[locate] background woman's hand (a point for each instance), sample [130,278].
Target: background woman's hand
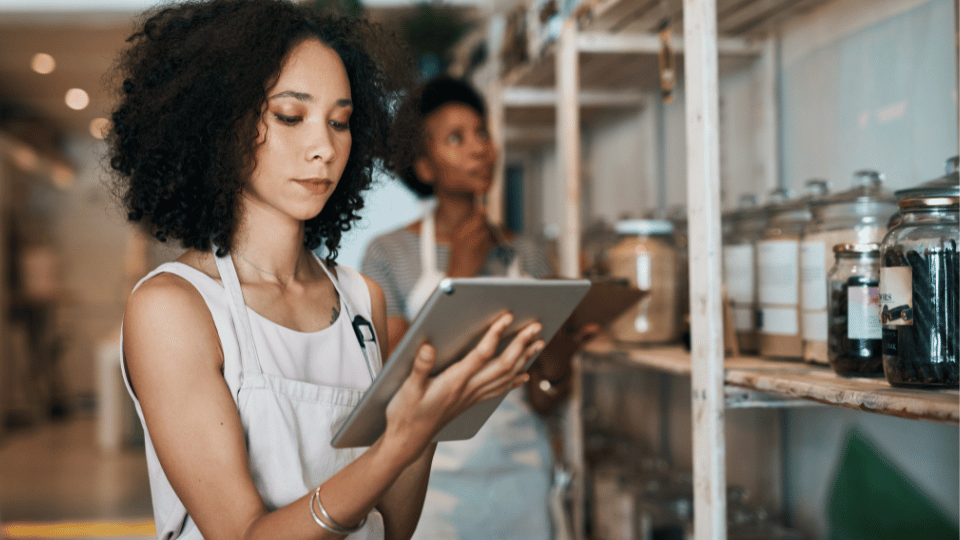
[425,403]
[469,245]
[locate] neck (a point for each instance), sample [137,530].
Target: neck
[269,247]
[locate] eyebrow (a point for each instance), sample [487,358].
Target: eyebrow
[302,96]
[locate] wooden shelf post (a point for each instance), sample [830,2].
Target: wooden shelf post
[703,217]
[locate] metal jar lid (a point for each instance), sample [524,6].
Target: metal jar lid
[867,199]
[929,202]
[947,185]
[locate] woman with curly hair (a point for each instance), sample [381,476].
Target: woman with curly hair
[248,130]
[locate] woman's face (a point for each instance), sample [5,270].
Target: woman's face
[459,156]
[304,134]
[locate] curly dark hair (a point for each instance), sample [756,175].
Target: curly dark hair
[192,88]
[412,115]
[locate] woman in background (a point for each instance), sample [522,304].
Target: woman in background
[497,484]
[247,130]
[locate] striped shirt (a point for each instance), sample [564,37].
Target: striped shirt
[393,261]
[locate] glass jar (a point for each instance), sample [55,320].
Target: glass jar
[856,216]
[919,309]
[646,256]
[743,228]
[778,274]
[854,336]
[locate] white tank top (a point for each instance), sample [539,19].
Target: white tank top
[293,390]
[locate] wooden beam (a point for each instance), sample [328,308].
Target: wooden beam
[568,147]
[706,317]
[519,96]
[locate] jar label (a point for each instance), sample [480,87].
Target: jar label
[814,325]
[643,271]
[813,275]
[778,272]
[738,264]
[779,322]
[863,313]
[896,296]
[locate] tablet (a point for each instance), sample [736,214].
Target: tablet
[454,320]
[606,300]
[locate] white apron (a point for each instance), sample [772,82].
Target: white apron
[495,485]
[287,423]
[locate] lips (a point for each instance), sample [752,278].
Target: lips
[316,185]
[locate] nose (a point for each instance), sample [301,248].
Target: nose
[320,145]
[481,146]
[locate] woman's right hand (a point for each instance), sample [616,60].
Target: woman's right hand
[425,404]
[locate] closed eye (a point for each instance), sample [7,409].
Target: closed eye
[289,120]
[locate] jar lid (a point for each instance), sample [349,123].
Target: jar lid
[929,202]
[644,227]
[867,188]
[947,185]
[869,247]
[798,209]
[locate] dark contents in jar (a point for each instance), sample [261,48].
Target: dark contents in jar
[925,353]
[848,356]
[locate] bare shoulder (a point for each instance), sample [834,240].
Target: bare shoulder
[169,330]
[164,296]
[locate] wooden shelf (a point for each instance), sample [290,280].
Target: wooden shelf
[734,17]
[792,381]
[623,61]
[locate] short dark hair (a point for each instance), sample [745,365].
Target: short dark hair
[192,88]
[412,115]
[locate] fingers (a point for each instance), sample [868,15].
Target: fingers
[487,346]
[523,347]
[423,364]
[500,372]
[510,375]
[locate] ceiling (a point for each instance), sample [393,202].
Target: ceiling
[84,45]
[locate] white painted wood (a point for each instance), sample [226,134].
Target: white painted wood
[703,210]
[529,134]
[768,129]
[642,43]
[568,146]
[495,122]
[526,96]
[496,125]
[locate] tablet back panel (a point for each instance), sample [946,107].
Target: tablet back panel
[453,320]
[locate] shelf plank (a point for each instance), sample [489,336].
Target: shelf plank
[734,17]
[795,380]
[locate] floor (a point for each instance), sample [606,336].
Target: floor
[56,483]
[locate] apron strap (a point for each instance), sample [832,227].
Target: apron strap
[428,243]
[248,351]
[361,326]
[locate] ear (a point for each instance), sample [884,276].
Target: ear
[423,168]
